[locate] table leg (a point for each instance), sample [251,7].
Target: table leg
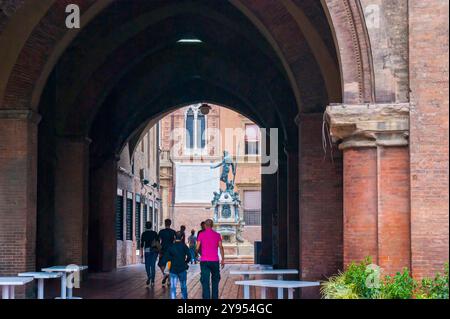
[280,293]
[41,288]
[263,292]
[246,292]
[64,286]
[11,292]
[5,292]
[69,292]
[246,277]
[291,293]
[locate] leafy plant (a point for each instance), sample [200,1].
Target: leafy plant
[363,281]
[400,286]
[337,288]
[435,288]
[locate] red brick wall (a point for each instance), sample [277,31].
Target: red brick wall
[18,152]
[320,204]
[394,244]
[360,204]
[429,129]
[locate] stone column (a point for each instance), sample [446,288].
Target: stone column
[282,198]
[374,140]
[293,210]
[71,200]
[268,206]
[102,232]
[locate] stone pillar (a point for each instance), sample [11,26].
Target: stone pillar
[293,218]
[374,140]
[102,232]
[71,200]
[282,199]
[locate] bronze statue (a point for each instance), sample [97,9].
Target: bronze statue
[227,161]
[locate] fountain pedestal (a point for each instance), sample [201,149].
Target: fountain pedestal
[229,224]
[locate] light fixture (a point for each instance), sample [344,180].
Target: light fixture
[190,40]
[204,109]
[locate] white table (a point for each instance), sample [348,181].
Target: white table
[279,284]
[279,272]
[40,276]
[9,283]
[66,291]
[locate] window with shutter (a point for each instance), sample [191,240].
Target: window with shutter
[251,139]
[252,208]
[119,218]
[138,221]
[129,219]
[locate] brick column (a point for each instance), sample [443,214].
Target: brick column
[102,233]
[374,140]
[18,180]
[71,200]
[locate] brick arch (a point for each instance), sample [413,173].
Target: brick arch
[346,18]
[45,38]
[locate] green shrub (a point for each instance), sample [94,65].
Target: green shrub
[435,288]
[361,281]
[400,286]
[337,288]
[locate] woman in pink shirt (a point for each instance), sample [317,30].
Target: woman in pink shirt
[208,242]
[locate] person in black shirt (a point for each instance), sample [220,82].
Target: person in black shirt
[179,256]
[167,237]
[150,251]
[183,232]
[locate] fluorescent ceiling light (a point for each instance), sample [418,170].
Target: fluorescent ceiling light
[189,41]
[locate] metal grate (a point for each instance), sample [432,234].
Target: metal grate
[119,218]
[252,217]
[129,219]
[138,224]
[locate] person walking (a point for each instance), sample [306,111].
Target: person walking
[209,242]
[167,237]
[183,232]
[179,256]
[202,228]
[149,249]
[192,241]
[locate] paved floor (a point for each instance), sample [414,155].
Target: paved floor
[129,283]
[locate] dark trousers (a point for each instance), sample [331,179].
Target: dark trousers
[210,274]
[150,262]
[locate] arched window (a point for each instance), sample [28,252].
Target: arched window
[190,121]
[195,129]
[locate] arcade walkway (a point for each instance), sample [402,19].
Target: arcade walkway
[129,283]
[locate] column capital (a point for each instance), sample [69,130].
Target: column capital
[20,114]
[369,125]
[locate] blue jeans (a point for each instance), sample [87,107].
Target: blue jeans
[193,257]
[174,278]
[150,262]
[210,272]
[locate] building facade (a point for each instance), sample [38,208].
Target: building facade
[138,195]
[190,143]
